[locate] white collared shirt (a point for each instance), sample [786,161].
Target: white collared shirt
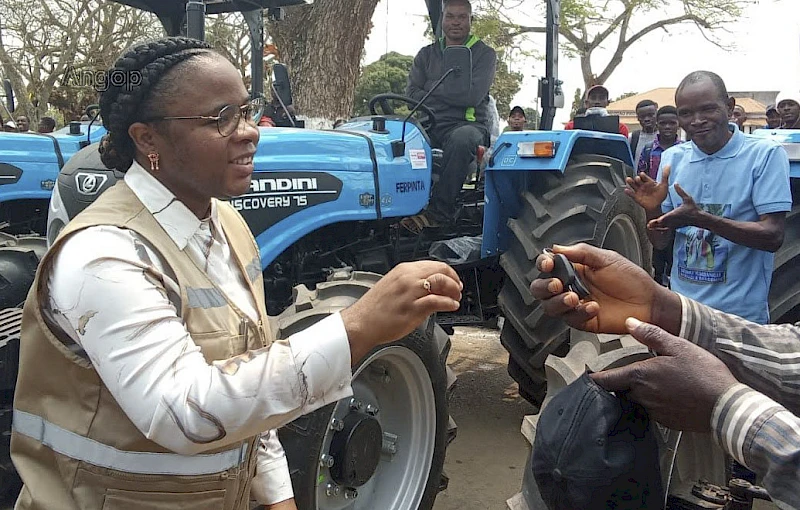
[122,320]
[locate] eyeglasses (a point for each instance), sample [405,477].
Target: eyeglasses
[229,116]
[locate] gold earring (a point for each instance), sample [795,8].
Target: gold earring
[153,157]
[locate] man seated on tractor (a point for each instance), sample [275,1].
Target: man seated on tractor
[461,121]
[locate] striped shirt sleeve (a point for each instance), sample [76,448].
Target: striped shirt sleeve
[762,435]
[747,421]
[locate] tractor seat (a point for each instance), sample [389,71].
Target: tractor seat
[472,176]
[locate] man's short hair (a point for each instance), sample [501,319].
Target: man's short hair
[517,109]
[667,110]
[699,76]
[457,2]
[49,122]
[645,103]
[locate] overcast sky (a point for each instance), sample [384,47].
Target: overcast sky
[763,50]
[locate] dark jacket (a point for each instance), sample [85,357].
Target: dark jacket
[452,111]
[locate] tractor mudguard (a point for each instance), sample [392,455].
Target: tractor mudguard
[790,139]
[307,179]
[30,163]
[29,166]
[512,165]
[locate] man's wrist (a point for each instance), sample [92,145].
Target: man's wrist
[667,311]
[653,213]
[702,219]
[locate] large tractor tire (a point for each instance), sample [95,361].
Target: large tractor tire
[10,321]
[19,258]
[586,203]
[385,447]
[784,293]
[684,458]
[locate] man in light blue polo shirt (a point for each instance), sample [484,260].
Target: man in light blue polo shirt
[723,197]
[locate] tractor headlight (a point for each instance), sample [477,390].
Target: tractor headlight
[545,149]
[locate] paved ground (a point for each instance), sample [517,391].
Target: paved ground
[486,461]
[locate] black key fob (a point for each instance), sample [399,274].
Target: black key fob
[565,271]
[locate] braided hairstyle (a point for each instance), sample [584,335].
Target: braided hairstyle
[135,86]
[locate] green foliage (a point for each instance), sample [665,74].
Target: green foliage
[387,74]
[532,118]
[506,85]
[577,102]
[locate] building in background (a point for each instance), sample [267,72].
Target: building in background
[753,102]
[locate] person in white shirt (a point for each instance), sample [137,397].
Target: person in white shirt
[112,299]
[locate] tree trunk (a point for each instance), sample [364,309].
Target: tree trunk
[322,45]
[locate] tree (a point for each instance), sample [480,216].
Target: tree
[322,46]
[229,35]
[387,74]
[577,102]
[54,51]
[588,25]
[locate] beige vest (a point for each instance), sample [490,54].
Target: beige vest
[73,445]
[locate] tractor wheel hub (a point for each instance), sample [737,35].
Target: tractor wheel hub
[356,449]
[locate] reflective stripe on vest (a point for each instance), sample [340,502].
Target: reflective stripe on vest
[78,447]
[254,270]
[205,298]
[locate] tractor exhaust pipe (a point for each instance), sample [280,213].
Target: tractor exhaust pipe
[196,20]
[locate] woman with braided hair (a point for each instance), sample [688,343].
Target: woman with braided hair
[163,386]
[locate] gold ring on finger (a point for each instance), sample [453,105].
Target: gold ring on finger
[426,284]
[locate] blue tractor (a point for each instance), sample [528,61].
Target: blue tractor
[324,207]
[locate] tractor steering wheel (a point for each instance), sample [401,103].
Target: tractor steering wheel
[428,123]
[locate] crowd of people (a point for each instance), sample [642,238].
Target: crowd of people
[716,205]
[21,124]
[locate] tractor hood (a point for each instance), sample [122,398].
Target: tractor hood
[305,179]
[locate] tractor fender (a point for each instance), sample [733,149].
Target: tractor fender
[509,156]
[510,169]
[30,162]
[790,140]
[29,166]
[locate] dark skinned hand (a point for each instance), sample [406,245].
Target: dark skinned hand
[684,215]
[679,387]
[647,192]
[619,289]
[398,303]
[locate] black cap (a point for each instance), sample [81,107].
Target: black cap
[595,450]
[517,109]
